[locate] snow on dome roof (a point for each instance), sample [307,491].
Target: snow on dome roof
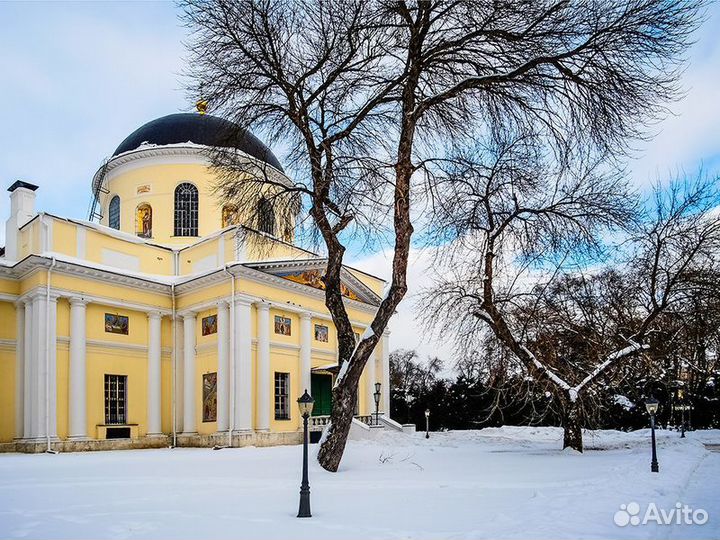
[199,129]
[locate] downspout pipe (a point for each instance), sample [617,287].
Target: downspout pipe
[49,449]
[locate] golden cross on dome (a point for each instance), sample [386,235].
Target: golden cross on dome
[201,106]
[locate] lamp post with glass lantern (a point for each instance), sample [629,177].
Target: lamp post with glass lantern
[305,403]
[427,423]
[376,397]
[652,407]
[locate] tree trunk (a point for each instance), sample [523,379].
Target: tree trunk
[331,451]
[572,428]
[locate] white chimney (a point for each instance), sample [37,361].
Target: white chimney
[22,210]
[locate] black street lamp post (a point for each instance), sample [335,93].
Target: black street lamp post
[305,402]
[652,406]
[427,423]
[376,396]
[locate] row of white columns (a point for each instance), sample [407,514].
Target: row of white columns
[238,398]
[36,368]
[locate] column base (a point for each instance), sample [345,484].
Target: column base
[155,435]
[78,438]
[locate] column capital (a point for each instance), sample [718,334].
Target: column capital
[154,315]
[305,315]
[262,306]
[78,300]
[20,303]
[223,303]
[240,301]
[187,314]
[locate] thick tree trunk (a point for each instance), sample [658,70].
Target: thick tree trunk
[331,451]
[572,427]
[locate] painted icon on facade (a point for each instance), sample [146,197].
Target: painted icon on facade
[229,215]
[116,324]
[209,325]
[143,221]
[209,397]
[321,333]
[282,325]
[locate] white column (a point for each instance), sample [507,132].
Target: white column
[27,368]
[154,366]
[385,403]
[223,336]
[263,358]
[370,380]
[179,373]
[19,368]
[305,351]
[52,368]
[77,395]
[189,421]
[37,382]
[243,367]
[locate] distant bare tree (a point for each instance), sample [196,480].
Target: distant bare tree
[568,329]
[367,94]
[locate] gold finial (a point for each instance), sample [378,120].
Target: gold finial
[201,106]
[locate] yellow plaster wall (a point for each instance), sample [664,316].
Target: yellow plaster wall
[162,180]
[64,237]
[7,394]
[285,361]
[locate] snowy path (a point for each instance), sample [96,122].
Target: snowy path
[706,475]
[494,483]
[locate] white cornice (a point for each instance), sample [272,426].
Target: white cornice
[165,153]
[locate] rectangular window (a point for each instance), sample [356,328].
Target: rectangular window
[321,333]
[116,399]
[282,325]
[282,396]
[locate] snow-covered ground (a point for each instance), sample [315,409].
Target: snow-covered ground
[494,483]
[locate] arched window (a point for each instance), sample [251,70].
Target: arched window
[186,210]
[266,217]
[229,215]
[114,213]
[143,221]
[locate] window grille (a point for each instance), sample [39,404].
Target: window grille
[186,210]
[115,399]
[114,213]
[282,396]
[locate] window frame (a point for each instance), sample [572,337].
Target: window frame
[118,396]
[114,213]
[186,210]
[281,382]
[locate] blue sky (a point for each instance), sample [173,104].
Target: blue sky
[77,77]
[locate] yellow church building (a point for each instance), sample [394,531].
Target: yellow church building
[167,318]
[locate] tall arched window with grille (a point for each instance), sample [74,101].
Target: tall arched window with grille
[186,210]
[114,213]
[266,217]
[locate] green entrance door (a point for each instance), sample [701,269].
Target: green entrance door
[321,390]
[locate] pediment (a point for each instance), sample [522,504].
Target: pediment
[310,273]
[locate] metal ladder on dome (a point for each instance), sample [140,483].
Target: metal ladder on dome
[95,212]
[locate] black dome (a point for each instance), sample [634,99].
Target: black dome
[199,129]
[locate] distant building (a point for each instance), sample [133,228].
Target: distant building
[173,314]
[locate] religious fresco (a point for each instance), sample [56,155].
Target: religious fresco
[283,325]
[143,221]
[229,215]
[209,325]
[321,333]
[116,324]
[209,397]
[314,279]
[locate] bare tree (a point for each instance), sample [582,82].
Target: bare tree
[570,330]
[366,94]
